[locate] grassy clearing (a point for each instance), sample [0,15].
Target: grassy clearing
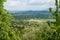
[41,20]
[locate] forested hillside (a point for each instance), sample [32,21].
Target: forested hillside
[31,14]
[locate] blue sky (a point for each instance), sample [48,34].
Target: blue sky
[29,4]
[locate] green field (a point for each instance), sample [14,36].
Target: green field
[33,29]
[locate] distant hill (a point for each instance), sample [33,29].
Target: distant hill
[31,14]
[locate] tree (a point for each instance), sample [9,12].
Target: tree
[6,32]
[55,25]
[55,14]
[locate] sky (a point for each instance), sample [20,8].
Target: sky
[29,4]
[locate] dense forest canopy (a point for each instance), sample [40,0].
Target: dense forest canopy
[6,32]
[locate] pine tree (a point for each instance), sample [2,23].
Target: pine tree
[6,32]
[56,25]
[55,14]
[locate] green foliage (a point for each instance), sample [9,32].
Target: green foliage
[55,25]
[10,30]
[55,14]
[6,32]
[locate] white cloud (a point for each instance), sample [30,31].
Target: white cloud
[25,5]
[14,3]
[41,1]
